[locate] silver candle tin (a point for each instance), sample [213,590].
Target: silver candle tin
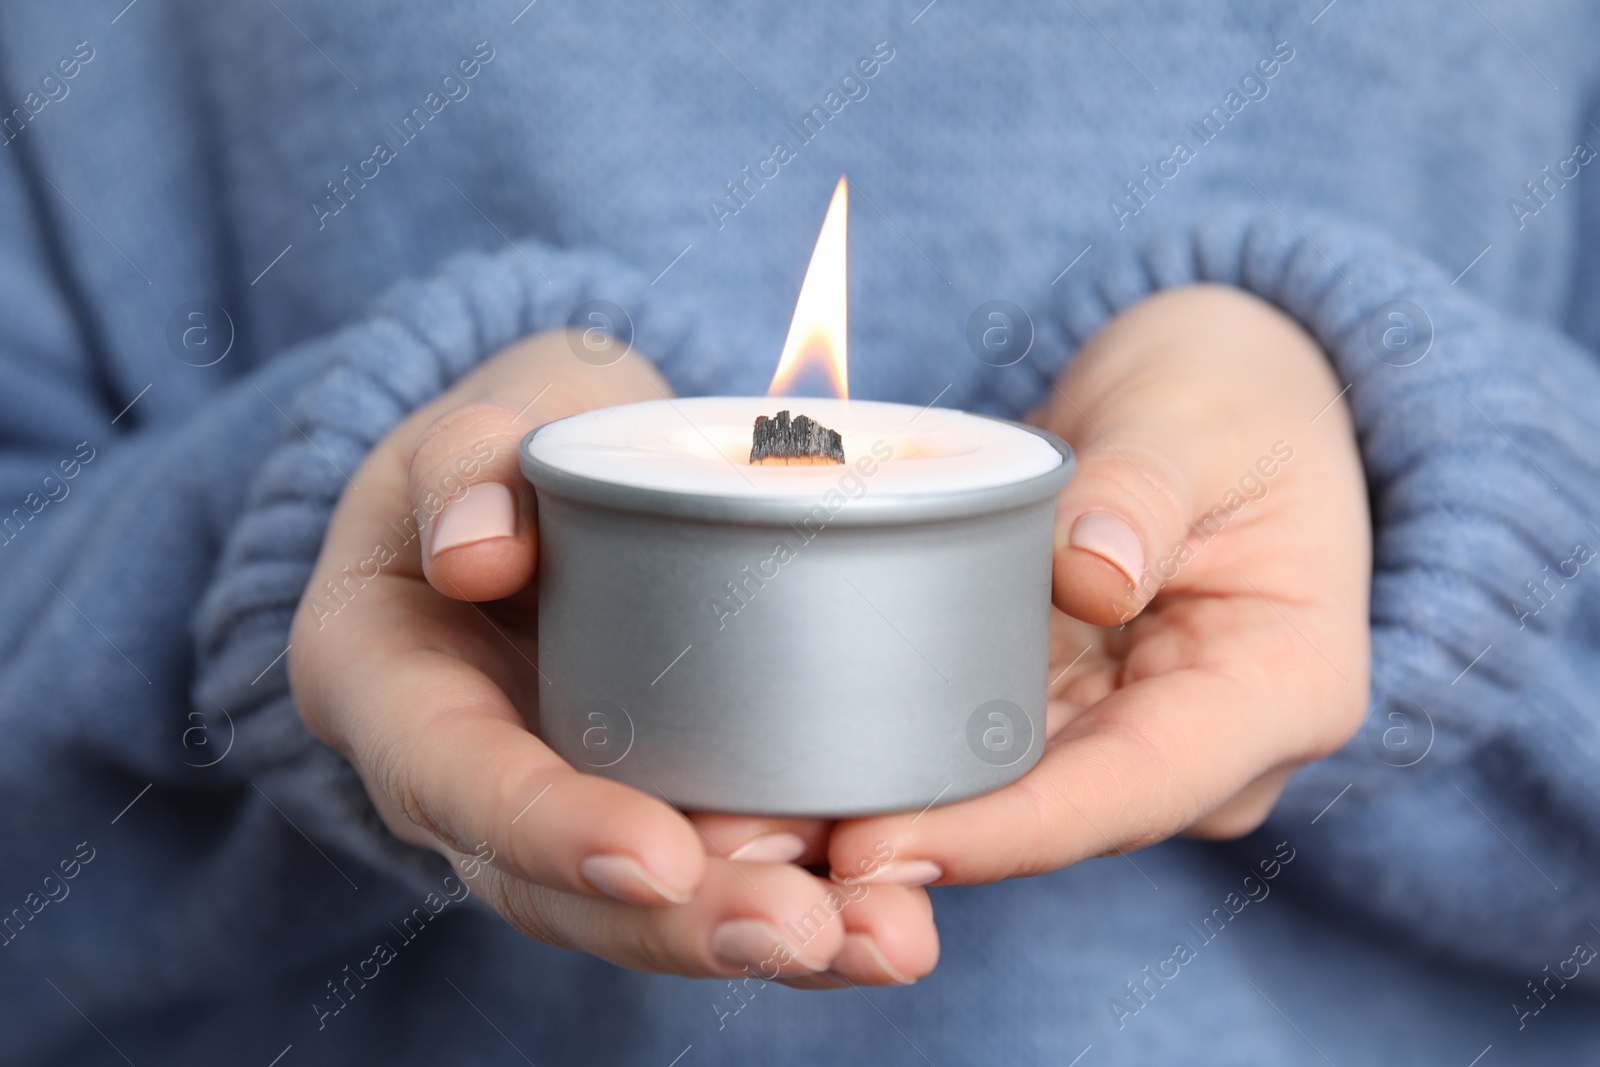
[744,655]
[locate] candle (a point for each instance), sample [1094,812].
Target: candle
[861,626]
[702,445]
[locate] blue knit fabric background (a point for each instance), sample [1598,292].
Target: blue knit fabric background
[357,221]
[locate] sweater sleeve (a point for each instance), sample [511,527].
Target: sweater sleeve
[1465,816]
[422,337]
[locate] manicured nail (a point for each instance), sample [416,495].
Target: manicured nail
[864,960]
[485,511]
[901,872]
[770,848]
[624,878]
[1112,540]
[751,943]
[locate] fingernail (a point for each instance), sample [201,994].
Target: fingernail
[1112,539]
[862,958]
[901,872]
[770,848]
[485,511]
[624,878]
[751,943]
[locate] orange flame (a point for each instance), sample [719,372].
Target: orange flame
[821,315]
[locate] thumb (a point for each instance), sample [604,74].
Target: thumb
[475,509]
[1165,407]
[1120,524]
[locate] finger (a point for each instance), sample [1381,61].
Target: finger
[763,840]
[443,744]
[748,920]
[1125,773]
[472,504]
[1247,810]
[1179,413]
[889,936]
[1057,714]
[1110,520]
[1107,789]
[1083,668]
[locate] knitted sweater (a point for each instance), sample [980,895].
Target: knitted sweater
[242,241]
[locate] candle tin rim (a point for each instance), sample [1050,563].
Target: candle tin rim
[865,510]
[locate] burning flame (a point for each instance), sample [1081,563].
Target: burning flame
[817,331]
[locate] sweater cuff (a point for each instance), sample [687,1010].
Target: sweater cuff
[1475,430]
[421,338]
[1471,424]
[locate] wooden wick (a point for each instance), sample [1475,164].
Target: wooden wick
[778,441]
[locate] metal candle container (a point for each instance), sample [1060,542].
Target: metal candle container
[845,646]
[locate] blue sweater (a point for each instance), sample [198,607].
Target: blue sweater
[241,241]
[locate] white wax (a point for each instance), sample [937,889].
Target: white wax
[702,445]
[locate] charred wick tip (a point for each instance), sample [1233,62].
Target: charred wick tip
[778,441]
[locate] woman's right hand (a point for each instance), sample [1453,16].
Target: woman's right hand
[412,653]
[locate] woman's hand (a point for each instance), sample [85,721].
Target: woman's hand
[1213,561]
[413,654]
